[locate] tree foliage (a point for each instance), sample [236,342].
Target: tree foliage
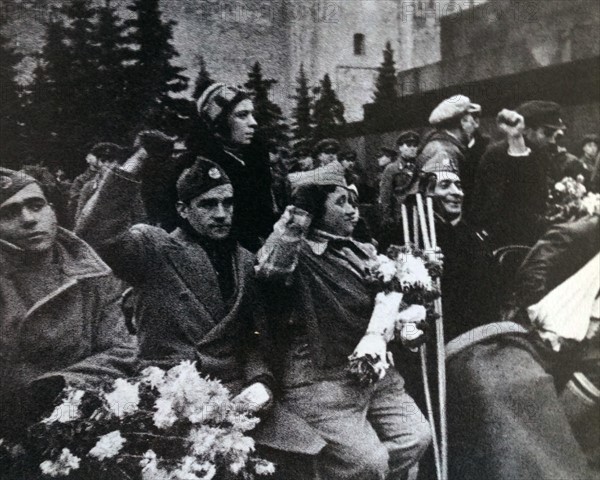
[302,127]
[272,129]
[328,112]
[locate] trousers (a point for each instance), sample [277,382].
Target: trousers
[372,432]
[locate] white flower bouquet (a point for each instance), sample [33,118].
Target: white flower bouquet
[162,425]
[404,306]
[570,201]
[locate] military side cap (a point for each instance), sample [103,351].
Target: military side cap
[331,174]
[11,182]
[202,176]
[541,113]
[408,136]
[440,163]
[453,107]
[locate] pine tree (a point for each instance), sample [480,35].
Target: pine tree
[11,140]
[155,78]
[115,112]
[303,126]
[385,86]
[328,112]
[271,129]
[203,79]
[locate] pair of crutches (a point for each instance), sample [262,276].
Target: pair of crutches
[424,233]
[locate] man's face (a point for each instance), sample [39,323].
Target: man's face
[211,213]
[348,164]
[92,161]
[470,124]
[327,156]
[305,163]
[28,221]
[339,217]
[408,150]
[448,195]
[542,137]
[590,149]
[242,124]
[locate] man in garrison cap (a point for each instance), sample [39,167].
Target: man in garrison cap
[194,286]
[59,317]
[511,187]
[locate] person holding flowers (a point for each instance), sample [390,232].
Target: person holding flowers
[320,294]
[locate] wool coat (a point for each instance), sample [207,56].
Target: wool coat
[75,332]
[180,312]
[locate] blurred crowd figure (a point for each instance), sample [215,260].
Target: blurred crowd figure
[209,243]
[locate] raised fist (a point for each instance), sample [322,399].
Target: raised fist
[511,123]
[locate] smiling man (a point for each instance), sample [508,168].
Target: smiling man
[60,321]
[468,277]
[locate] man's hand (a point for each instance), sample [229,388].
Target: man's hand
[256,397]
[135,163]
[511,123]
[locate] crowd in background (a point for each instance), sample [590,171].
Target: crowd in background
[251,263]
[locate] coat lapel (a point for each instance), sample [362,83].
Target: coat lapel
[231,315]
[194,268]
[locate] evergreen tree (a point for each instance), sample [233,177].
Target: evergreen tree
[154,77]
[271,129]
[328,112]
[385,86]
[303,126]
[203,79]
[11,140]
[115,110]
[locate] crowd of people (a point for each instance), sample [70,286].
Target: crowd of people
[254,265]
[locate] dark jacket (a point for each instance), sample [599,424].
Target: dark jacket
[511,195]
[76,331]
[468,170]
[581,166]
[469,293]
[440,145]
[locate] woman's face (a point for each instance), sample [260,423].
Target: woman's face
[242,124]
[339,213]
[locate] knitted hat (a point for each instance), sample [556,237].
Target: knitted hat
[11,182]
[217,101]
[453,107]
[331,174]
[202,176]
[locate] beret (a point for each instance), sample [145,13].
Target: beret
[541,113]
[453,107]
[202,176]
[331,174]
[11,182]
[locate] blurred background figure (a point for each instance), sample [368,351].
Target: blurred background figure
[326,151]
[585,165]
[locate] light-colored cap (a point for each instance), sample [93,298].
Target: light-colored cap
[453,107]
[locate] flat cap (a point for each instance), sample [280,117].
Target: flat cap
[331,174]
[541,113]
[453,107]
[11,182]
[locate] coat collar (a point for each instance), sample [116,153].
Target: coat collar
[77,259]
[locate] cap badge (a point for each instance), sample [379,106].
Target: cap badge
[5,182]
[214,173]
